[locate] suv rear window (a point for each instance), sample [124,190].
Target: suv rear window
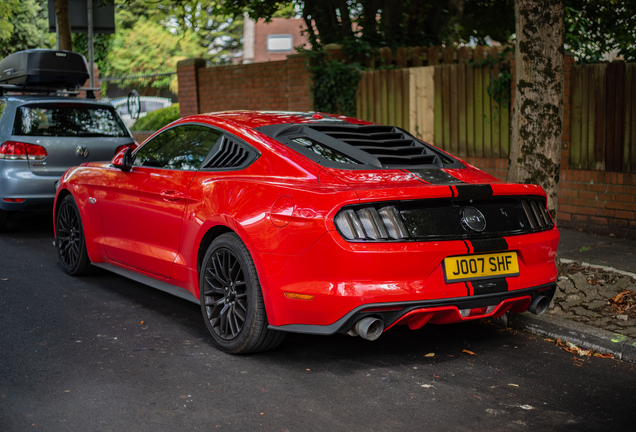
[68,120]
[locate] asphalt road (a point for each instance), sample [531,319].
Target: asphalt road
[102,353]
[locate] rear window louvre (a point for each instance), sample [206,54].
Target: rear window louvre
[374,146]
[388,144]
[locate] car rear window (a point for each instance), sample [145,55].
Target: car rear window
[68,120]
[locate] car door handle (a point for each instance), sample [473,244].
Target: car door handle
[171,195]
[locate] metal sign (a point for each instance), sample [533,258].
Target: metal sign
[103,16]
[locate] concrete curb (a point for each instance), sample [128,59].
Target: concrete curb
[603,267]
[581,335]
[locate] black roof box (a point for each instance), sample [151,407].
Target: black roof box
[44,68]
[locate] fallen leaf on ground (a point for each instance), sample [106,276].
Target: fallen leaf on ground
[617,298]
[468,352]
[430,355]
[514,385]
[604,355]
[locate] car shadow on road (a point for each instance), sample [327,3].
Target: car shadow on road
[339,353]
[29,224]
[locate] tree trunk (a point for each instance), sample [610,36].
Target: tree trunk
[64,25]
[537,119]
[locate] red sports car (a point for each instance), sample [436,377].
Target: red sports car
[312,223]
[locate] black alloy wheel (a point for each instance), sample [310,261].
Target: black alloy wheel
[231,299]
[226,297]
[70,239]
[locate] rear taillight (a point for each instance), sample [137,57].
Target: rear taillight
[14,150]
[370,223]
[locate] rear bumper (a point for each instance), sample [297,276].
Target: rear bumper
[17,181]
[416,314]
[341,277]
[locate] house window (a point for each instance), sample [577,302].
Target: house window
[280,43]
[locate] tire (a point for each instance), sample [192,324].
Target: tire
[231,299]
[70,241]
[4,217]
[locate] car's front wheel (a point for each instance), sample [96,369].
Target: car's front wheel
[70,241]
[232,301]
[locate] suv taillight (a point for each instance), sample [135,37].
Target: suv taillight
[14,150]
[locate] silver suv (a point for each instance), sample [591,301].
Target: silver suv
[42,133]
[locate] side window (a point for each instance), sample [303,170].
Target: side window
[179,148]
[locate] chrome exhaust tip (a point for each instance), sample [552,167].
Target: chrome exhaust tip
[539,305]
[368,328]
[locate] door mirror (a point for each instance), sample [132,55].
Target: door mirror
[123,159]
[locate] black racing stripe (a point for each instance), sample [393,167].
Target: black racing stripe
[474,191]
[414,176]
[490,286]
[467,246]
[467,288]
[489,245]
[436,176]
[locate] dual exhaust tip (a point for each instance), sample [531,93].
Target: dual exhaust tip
[539,305]
[371,328]
[368,328]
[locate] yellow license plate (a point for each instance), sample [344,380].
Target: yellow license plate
[472,267]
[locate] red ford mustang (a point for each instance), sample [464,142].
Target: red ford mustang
[309,223]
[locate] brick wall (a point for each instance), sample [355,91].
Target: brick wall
[597,202]
[279,85]
[141,136]
[188,86]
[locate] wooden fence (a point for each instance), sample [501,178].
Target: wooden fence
[446,105]
[604,117]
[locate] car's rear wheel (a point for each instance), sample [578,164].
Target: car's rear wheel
[4,216]
[232,301]
[70,241]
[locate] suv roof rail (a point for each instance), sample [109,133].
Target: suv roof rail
[23,90]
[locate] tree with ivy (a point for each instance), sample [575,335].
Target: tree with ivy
[537,118]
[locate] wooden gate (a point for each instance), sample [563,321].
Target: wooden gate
[447,105]
[603,117]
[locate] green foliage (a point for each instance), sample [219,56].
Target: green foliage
[29,26]
[201,20]
[101,46]
[596,27]
[148,49]
[334,84]
[8,9]
[155,120]
[485,21]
